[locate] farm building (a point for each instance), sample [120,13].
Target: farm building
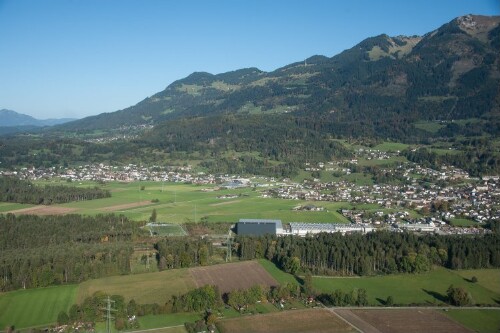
[259,227]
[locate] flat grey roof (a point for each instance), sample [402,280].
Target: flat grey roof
[262,221]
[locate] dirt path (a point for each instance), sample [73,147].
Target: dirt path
[224,203]
[43,210]
[126,206]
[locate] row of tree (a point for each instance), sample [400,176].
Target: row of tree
[124,314]
[24,191]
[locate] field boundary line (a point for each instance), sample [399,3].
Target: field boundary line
[351,318]
[341,318]
[155,329]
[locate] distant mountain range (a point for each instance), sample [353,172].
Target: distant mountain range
[9,118]
[440,87]
[380,84]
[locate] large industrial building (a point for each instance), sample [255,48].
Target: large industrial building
[258,227]
[303,229]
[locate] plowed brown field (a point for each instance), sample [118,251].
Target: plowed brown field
[408,321]
[228,277]
[293,321]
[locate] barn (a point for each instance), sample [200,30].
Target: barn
[257,227]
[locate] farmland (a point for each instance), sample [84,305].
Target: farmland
[480,320]
[403,320]
[156,287]
[34,307]
[310,320]
[181,203]
[426,288]
[228,277]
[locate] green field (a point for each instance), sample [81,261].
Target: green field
[391,146]
[156,287]
[182,203]
[35,307]
[429,126]
[481,321]
[488,278]
[462,222]
[165,320]
[277,273]
[428,288]
[6,206]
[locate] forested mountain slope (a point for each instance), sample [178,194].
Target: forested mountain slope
[448,74]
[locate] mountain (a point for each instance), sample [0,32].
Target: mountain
[448,74]
[11,118]
[440,88]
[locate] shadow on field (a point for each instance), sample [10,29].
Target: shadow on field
[436,295]
[381,301]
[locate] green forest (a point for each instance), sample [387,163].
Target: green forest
[373,253]
[40,251]
[24,191]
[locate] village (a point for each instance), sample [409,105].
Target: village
[439,195]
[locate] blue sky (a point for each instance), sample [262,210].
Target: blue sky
[76,58]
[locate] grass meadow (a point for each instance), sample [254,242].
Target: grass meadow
[182,203]
[156,287]
[480,320]
[35,307]
[277,273]
[427,288]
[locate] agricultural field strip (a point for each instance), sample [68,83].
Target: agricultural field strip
[356,322]
[410,288]
[408,321]
[233,276]
[307,320]
[155,329]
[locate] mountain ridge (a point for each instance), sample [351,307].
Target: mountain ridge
[452,71]
[12,118]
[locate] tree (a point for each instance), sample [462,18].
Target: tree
[236,299]
[362,298]
[308,286]
[473,279]
[389,301]
[153,216]
[292,265]
[458,296]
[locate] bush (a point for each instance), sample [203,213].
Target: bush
[62,318]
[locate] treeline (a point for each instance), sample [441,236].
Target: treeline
[373,253]
[182,252]
[93,309]
[24,191]
[41,251]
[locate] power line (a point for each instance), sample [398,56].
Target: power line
[108,316]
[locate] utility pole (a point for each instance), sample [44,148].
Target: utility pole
[229,247]
[108,316]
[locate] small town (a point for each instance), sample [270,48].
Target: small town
[441,195]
